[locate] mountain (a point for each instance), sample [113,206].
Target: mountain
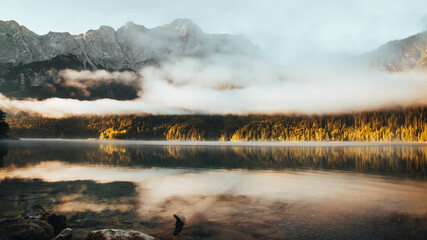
[130,47]
[401,55]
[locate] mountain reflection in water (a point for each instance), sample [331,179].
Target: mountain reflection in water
[225,191]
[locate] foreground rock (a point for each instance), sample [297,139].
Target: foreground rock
[21,228]
[118,234]
[66,234]
[179,225]
[35,223]
[58,221]
[34,212]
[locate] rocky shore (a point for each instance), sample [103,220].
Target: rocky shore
[36,223]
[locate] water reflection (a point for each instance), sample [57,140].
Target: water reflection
[225,191]
[409,160]
[3,152]
[221,204]
[87,204]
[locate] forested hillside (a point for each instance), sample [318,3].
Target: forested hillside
[408,124]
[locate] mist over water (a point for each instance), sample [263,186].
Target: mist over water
[83,80]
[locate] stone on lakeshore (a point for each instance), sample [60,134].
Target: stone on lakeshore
[65,234]
[58,221]
[21,228]
[34,212]
[118,234]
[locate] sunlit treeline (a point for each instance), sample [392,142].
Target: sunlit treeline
[403,160]
[409,124]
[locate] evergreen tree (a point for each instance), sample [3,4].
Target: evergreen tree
[4,127]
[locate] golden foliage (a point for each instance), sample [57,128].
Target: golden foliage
[409,125]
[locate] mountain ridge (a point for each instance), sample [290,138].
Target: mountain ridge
[402,54]
[31,47]
[130,47]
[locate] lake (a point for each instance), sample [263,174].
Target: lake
[225,190]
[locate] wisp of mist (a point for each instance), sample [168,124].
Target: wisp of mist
[231,84]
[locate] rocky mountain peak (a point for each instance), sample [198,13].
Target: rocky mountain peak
[404,54]
[129,48]
[9,25]
[10,28]
[184,26]
[131,26]
[106,28]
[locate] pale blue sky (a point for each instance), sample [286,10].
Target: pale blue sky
[287,30]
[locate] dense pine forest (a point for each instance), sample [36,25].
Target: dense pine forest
[403,124]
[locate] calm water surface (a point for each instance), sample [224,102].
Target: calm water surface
[226,191]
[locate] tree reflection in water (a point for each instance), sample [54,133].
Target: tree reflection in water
[133,185]
[408,160]
[3,152]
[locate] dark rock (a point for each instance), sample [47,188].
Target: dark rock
[28,229]
[118,234]
[65,234]
[58,221]
[34,212]
[179,225]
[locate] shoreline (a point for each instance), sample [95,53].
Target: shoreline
[230,143]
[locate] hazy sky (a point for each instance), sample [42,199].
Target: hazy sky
[286,29]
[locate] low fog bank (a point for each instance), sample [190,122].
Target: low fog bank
[229,84]
[83,80]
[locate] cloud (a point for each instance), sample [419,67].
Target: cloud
[325,88]
[58,107]
[240,85]
[84,80]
